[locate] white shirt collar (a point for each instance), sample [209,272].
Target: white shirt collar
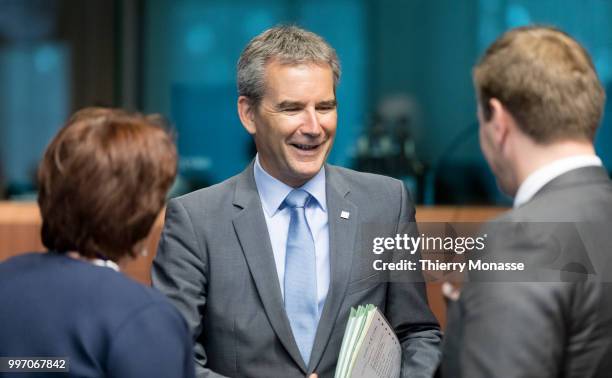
[105,264]
[273,191]
[542,176]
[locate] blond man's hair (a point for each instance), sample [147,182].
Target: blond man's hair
[546,80]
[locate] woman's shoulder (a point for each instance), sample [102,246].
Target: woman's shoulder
[60,278]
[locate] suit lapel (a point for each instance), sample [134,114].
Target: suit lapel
[342,234]
[252,232]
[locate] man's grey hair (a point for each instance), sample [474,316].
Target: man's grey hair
[288,45]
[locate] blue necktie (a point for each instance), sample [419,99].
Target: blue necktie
[300,275]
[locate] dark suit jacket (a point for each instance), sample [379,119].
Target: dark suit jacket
[215,262]
[105,324]
[554,320]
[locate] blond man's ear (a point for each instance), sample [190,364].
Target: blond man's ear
[501,119]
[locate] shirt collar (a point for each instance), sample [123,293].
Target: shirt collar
[542,176]
[106,264]
[273,191]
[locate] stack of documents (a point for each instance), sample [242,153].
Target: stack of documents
[369,348]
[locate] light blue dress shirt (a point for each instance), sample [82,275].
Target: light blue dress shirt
[272,193]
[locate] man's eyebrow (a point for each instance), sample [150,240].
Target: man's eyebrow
[299,105]
[289,105]
[328,103]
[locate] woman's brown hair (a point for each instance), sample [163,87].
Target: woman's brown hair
[102,182]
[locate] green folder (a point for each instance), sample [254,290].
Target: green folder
[370,348]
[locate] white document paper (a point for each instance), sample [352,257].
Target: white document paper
[370,348]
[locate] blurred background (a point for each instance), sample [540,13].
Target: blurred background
[406,103]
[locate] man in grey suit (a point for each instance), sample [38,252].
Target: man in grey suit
[539,105]
[266,265]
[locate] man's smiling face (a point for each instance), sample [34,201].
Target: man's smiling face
[295,122]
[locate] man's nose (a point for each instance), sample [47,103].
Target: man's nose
[311,125]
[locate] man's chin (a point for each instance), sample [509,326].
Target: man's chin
[303,172]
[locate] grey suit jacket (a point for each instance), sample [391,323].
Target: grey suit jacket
[215,263]
[550,322]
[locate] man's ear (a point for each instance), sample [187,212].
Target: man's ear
[246,112]
[500,121]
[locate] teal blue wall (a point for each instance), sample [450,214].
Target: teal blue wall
[422,50]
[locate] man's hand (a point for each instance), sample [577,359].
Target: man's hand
[313,376]
[450,292]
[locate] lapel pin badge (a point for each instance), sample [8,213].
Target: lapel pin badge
[345,215]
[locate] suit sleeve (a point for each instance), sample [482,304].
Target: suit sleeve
[180,272]
[509,329]
[152,342]
[407,309]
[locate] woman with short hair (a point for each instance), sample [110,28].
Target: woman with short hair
[102,183]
